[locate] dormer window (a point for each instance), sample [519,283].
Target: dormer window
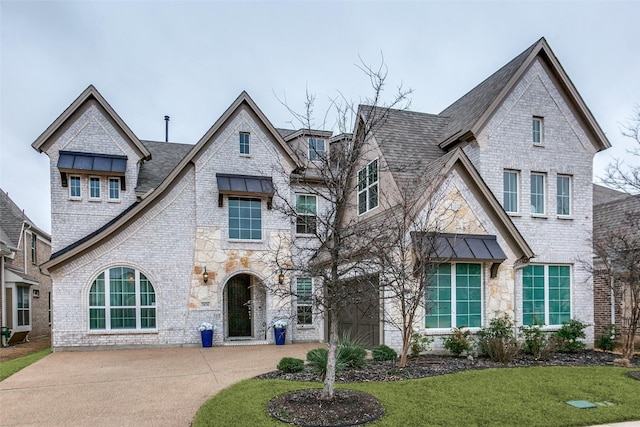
[316,149]
[537,130]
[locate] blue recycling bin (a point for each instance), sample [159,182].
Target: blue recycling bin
[280,335]
[207,337]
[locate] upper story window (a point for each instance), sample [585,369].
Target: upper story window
[34,239]
[368,187]
[510,191]
[454,296]
[537,193]
[563,198]
[94,188]
[114,189]
[537,130]
[122,298]
[75,191]
[546,294]
[244,142]
[304,300]
[306,210]
[316,149]
[245,218]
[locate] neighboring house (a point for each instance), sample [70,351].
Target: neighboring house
[25,297]
[151,238]
[612,211]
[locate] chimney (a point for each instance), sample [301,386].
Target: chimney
[166,128]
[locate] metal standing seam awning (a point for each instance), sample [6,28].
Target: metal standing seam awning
[245,185]
[469,247]
[94,163]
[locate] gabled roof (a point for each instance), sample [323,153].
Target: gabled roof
[90,93]
[12,221]
[602,194]
[133,211]
[613,216]
[470,113]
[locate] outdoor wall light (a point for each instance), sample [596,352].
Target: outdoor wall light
[205,275]
[280,277]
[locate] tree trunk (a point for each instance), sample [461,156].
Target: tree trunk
[330,377]
[406,342]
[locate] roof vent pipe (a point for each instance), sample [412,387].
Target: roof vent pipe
[166,128]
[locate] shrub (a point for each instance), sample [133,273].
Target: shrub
[459,342]
[350,352]
[383,352]
[568,336]
[536,342]
[290,365]
[607,341]
[419,343]
[498,340]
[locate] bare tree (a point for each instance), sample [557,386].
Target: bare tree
[335,256]
[623,175]
[617,251]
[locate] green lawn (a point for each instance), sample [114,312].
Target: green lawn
[10,367]
[494,397]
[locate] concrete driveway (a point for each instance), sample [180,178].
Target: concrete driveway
[141,387]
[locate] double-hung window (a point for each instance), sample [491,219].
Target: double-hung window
[454,295]
[510,191]
[537,193]
[368,187]
[23,306]
[316,149]
[34,240]
[114,189]
[306,210]
[122,298]
[244,142]
[546,294]
[304,300]
[537,130]
[74,187]
[245,218]
[563,198]
[94,188]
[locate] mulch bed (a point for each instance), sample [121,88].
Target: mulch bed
[304,408]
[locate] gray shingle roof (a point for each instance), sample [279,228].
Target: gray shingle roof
[610,216]
[165,156]
[603,194]
[11,219]
[466,111]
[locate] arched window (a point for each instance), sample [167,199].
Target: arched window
[122,298]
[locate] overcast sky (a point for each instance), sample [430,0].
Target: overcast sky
[190,60]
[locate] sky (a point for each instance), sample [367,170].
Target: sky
[190,60]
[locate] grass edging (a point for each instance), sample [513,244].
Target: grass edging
[10,367]
[493,397]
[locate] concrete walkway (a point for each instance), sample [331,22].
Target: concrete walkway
[146,387]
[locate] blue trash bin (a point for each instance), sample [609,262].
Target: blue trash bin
[280,335]
[207,337]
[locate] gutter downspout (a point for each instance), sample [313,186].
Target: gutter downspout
[613,302]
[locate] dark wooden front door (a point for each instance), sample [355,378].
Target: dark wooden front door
[361,317]
[239,306]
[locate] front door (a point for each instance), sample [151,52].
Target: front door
[239,305]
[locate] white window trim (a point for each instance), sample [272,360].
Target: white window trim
[298,214]
[111,199]
[368,185]
[546,294]
[540,120]
[310,304]
[440,331]
[23,291]
[91,198]
[78,197]
[107,305]
[248,154]
[518,192]
[570,179]
[316,153]
[544,193]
